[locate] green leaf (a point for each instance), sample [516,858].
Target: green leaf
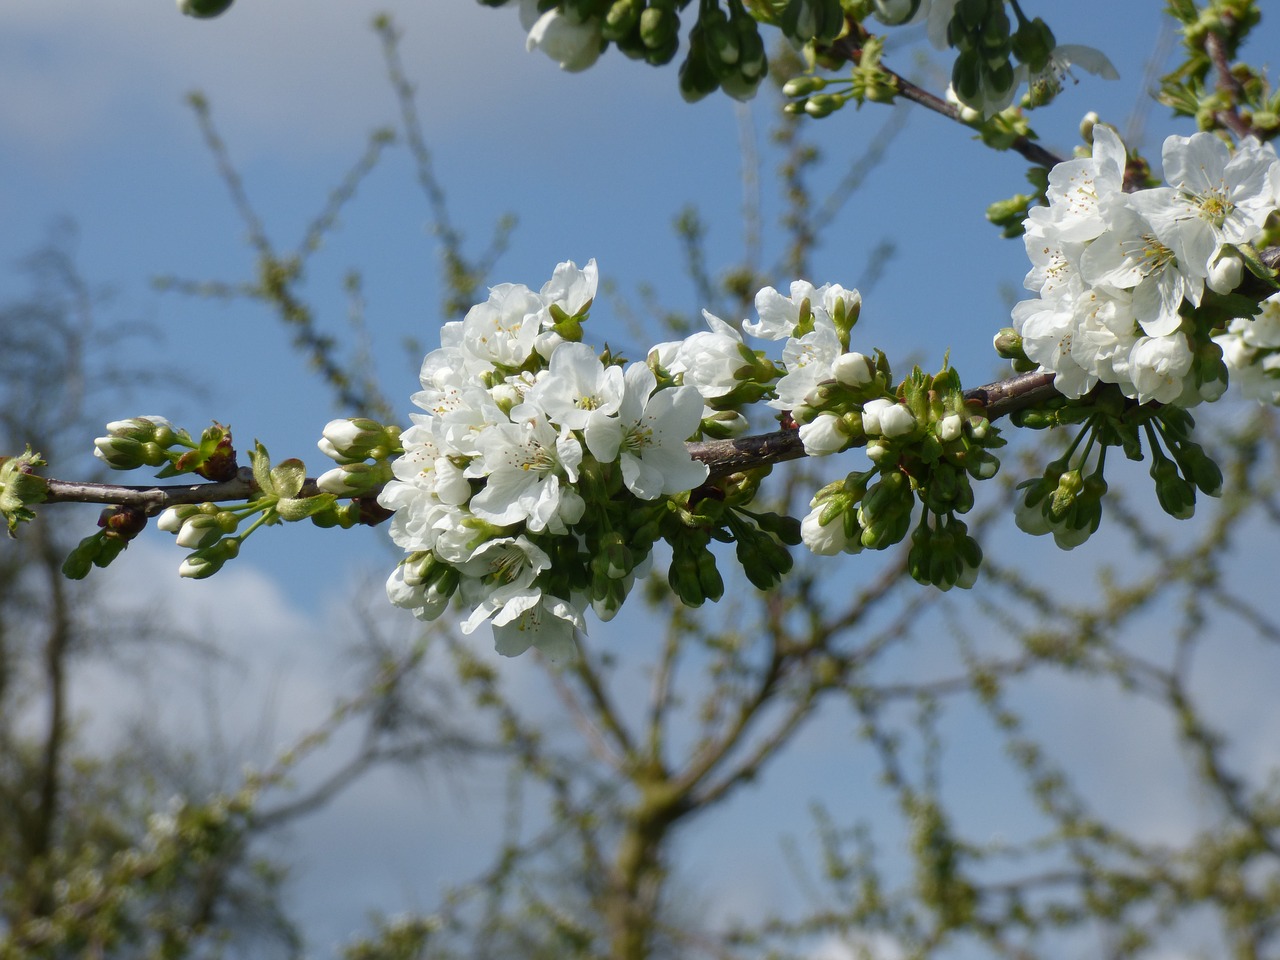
[262,476]
[288,477]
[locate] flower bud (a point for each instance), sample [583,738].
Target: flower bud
[896,420]
[1087,123]
[853,369]
[353,438]
[199,531]
[822,105]
[119,453]
[824,539]
[949,427]
[824,436]
[1225,273]
[207,562]
[871,411]
[803,86]
[142,429]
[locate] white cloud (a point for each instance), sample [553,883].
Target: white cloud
[73,72]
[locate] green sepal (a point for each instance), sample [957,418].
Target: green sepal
[260,461]
[1255,265]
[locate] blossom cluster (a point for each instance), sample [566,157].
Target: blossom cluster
[503,492]
[541,474]
[1119,274]
[924,442]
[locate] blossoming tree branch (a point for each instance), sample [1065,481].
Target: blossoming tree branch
[540,472]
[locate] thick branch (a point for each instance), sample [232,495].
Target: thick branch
[152,498]
[849,48]
[997,399]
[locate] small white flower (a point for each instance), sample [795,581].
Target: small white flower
[823,436]
[778,314]
[501,331]
[548,625]
[1158,365]
[577,388]
[1078,188]
[572,43]
[499,579]
[1130,256]
[1213,197]
[826,540]
[897,420]
[853,369]
[650,441]
[1047,83]
[809,361]
[523,464]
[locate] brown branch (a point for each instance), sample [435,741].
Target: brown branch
[1228,83]
[850,48]
[724,457]
[152,498]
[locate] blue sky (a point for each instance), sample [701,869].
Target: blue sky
[93,127]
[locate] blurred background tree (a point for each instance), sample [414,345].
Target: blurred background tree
[1002,825]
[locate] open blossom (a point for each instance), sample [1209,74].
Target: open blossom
[809,361]
[707,360]
[1214,197]
[1130,256]
[778,314]
[578,389]
[1046,83]
[1116,271]
[524,465]
[1079,188]
[490,472]
[650,435]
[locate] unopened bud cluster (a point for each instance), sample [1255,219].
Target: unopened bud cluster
[153,442]
[926,443]
[1067,499]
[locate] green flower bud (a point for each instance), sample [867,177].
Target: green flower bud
[1070,485]
[786,529]
[658,25]
[622,18]
[683,578]
[143,429]
[119,453]
[709,579]
[823,105]
[80,561]
[199,531]
[803,86]
[208,561]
